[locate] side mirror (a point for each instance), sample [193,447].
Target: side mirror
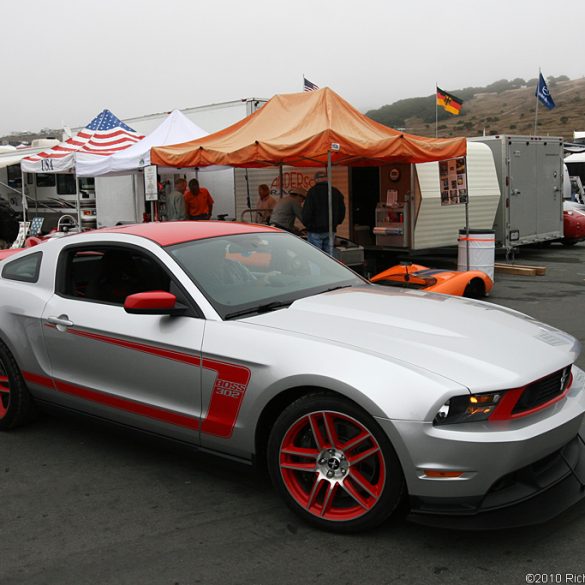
[156,302]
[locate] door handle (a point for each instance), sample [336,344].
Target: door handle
[61,320]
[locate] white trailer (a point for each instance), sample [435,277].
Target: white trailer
[530,172]
[398,207]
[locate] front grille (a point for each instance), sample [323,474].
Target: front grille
[543,390]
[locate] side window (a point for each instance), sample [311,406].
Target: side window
[109,275]
[45,180]
[24,269]
[65,184]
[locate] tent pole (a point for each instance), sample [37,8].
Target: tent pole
[330,200]
[281,180]
[467,231]
[77,201]
[135,197]
[24,202]
[411,207]
[248,202]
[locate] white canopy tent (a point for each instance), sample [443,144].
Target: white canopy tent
[176,128]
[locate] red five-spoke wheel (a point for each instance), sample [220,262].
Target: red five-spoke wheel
[333,464]
[16,406]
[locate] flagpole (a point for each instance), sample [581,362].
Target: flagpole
[536,109]
[436,113]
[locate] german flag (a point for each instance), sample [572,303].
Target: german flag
[449,102]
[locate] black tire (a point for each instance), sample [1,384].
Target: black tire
[361,493]
[568,242]
[16,405]
[475,289]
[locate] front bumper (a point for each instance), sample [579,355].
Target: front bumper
[511,473]
[532,495]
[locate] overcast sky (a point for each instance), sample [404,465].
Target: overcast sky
[63,61]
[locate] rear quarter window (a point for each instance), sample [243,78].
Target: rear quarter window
[23,269]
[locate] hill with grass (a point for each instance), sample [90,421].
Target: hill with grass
[503,107]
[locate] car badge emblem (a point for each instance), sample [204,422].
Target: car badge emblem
[564,378]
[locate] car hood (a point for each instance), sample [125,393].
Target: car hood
[480,345]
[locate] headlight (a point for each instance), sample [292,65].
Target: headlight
[468,408]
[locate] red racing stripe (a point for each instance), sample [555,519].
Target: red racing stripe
[152,349]
[227,394]
[130,406]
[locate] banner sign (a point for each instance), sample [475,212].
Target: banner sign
[453,181]
[150,183]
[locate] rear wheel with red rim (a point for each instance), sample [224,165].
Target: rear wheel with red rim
[16,406]
[333,464]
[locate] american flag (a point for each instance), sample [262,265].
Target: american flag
[309,86]
[103,136]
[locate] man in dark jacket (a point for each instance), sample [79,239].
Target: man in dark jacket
[316,212]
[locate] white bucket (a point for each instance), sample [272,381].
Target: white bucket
[482,251]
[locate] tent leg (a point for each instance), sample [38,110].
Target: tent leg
[135,197]
[24,202]
[281,180]
[77,201]
[330,201]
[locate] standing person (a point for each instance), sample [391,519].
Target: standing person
[316,212]
[176,206]
[265,203]
[199,201]
[288,209]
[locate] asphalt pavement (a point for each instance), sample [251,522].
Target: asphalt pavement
[84,503]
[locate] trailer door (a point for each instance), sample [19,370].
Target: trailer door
[523,188]
[549,161]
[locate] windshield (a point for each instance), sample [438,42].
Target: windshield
[251,273]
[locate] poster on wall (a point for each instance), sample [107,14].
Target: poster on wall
[453,181]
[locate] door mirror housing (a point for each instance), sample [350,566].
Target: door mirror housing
[155,302]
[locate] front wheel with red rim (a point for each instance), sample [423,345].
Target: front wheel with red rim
[333,464]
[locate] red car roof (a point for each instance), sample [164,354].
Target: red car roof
[9,252]
[176,232]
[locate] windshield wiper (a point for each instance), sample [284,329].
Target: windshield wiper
[266,308]
[335,288]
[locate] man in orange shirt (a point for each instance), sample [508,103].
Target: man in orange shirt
[198,200]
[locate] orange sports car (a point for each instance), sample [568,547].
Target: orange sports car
[473,283]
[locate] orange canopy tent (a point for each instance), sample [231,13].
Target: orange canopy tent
[306,129]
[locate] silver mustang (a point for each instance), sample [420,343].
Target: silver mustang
[248,342]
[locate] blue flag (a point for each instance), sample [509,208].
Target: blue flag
[543,94]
